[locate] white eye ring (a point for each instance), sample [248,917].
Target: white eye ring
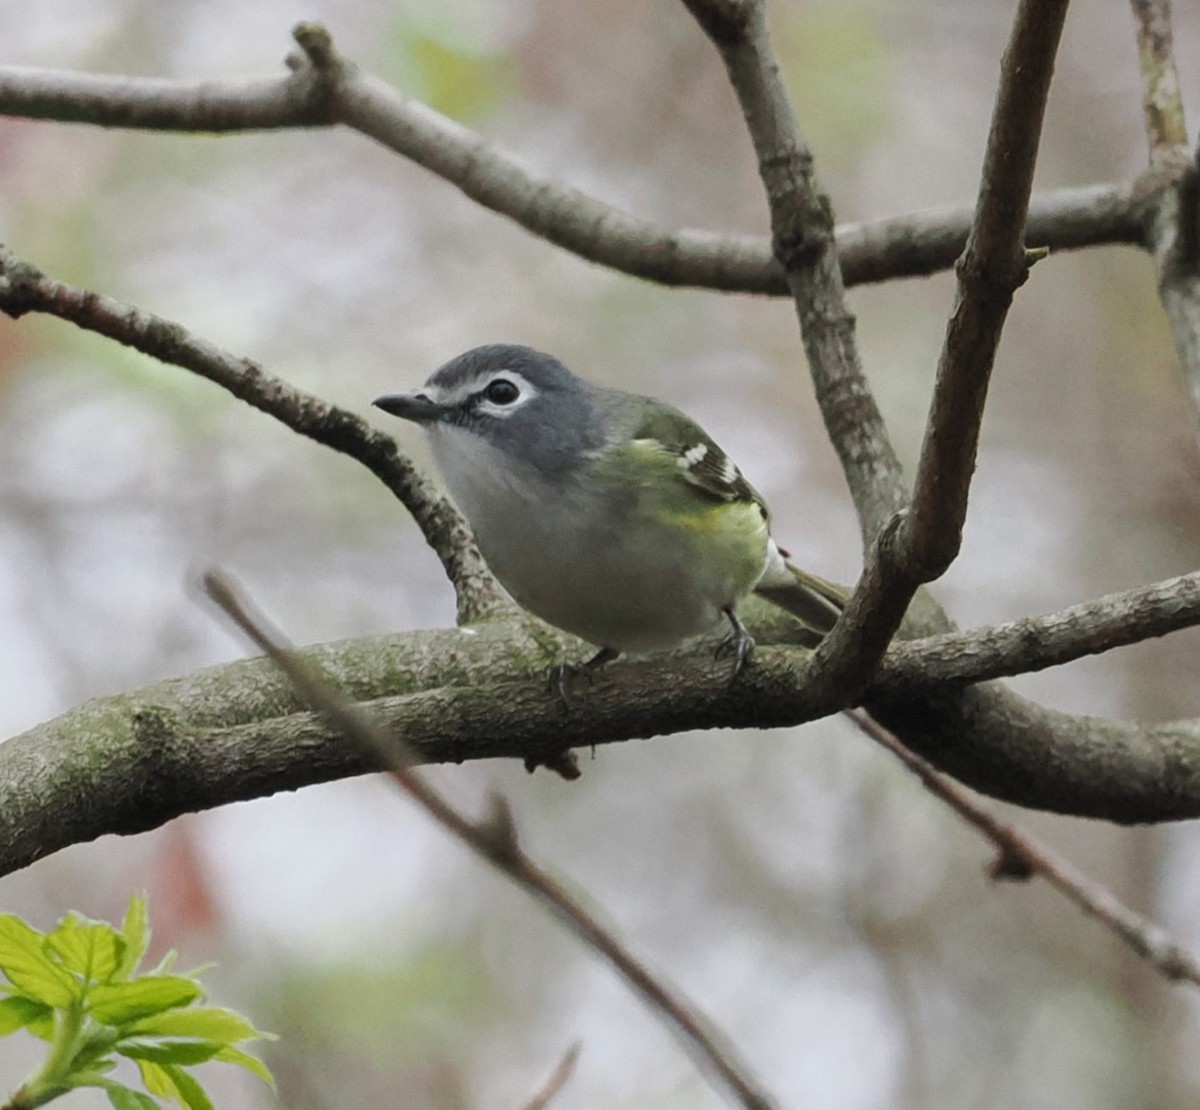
[502,394]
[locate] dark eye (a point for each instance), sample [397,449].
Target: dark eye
[501,392]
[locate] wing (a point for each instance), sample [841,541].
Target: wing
[700,461]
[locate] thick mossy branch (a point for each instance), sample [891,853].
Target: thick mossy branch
[133,761]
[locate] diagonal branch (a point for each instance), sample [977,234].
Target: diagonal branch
[556,1081]
[24,288]
[802,241]
[919,545]
[994,265]
[495,839]
[1022,857]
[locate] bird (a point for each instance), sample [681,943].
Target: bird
[610,515]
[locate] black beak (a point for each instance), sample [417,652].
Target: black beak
[411,406]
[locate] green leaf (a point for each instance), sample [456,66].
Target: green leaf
[123,1003]
[169,1051]
[252,1064]
[91,949]
[212,1023]
[135,930]
[18,1012]
[189,1093]
[126,1098]
[156,1079]
[43,1026]
[24,961]
[169,1081]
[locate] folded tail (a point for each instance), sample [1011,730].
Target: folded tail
[812,600]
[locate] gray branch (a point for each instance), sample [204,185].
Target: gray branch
[328,92]
[1171,187]
[1035,643]
[131,762]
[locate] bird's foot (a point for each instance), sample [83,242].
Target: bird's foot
[560,677]
[739,643]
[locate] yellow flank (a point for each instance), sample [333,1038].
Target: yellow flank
[666,497]
[742,517]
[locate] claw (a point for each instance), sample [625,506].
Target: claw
[739,643]
[559,677]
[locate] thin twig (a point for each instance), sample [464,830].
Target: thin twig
[804,244]
[24,288]
[911,245]
[556,1080]
[1171,186]
[1022,856]
[993,267]
[495,839]
[918,545]
[1162,105]
[802,240]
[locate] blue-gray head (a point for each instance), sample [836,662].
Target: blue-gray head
[520,401]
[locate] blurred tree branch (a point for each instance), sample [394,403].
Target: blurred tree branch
[495,839]
[1166,129]
[1022,857]
[1173,184]
[555,1081]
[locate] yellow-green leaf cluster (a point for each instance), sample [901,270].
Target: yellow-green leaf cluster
[78,988]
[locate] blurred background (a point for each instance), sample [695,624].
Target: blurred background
[834,920]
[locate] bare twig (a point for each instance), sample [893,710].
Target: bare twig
[1022,856]
[930,241]
[994,265]
[802,241]
[24,288]
[917,546]
[556,1080]
[1172,187]
[495,838]
[157,104]
[1162,105]
[912,245]
[1035,643]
